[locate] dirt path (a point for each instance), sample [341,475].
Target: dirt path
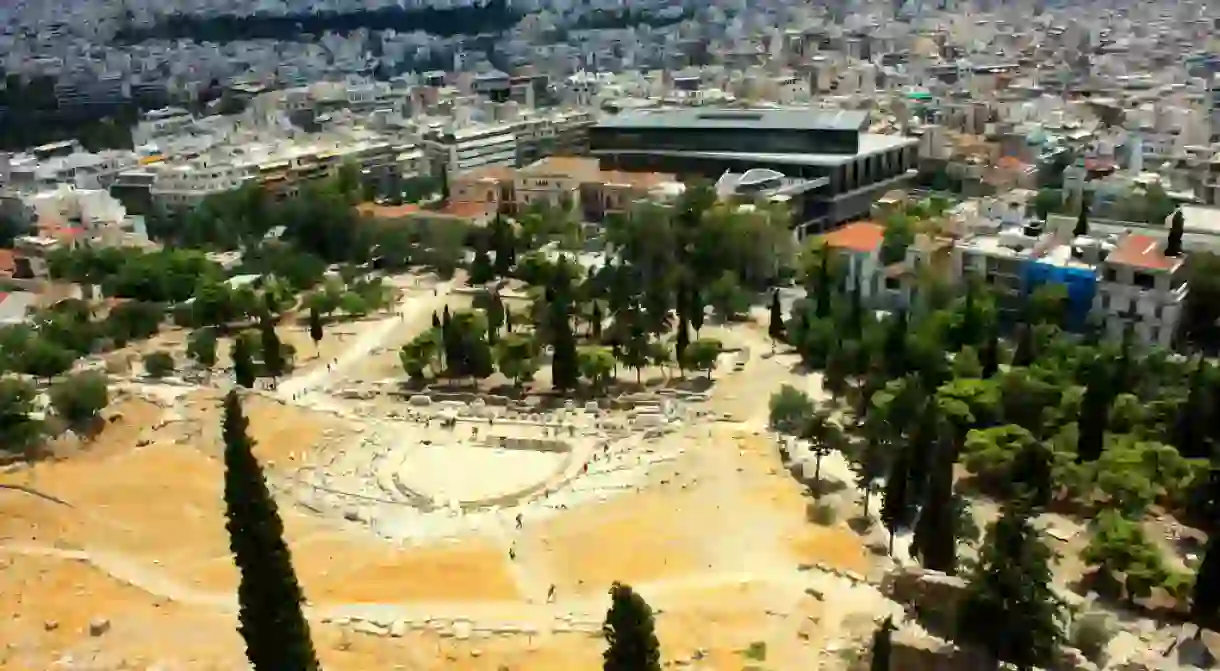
[409,309]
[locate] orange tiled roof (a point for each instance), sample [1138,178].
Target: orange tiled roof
[1144,252]
[386,211]
[499,173]
[8,261]
[468,209]
[862,236]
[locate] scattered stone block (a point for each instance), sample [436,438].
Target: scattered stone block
[98,626]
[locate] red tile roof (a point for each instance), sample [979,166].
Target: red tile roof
[468,209]
[387,211]
[1144,252]
[862,236]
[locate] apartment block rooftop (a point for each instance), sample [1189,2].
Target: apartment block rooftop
[737,119]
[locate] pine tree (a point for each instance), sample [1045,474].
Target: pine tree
[269,598]
[989,355]
[895,502]
[1023,355]
[1177,226]
[315,327]
[273,352]
[630,633]
[880,657]
[1010,609]
[776,328]
[243,364]
[1205,603]
[935,540]
[1094,413]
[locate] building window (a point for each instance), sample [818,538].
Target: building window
[1145,280]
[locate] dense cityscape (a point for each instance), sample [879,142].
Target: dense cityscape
[533,335]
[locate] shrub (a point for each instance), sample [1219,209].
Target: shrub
[822,513]
[1091,633]
[158,364]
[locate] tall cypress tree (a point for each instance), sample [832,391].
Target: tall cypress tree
[1205,604]
[696,310]
[935,540]
[855,311]
[823,289]
[243,364]
[895,501]
[564,367]
[315,327]
[269,598]
[1082,219]
[1177,226]
[896,345]
[776,328]
[1010,609]
[680,345]
[1094,413]
[1190,432]
[630,633]
[880,658]
[273,353]
[1023,355]
[989,355]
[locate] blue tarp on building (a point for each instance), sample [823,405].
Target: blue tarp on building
[1081,286]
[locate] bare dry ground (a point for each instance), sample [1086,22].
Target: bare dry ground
[701,543]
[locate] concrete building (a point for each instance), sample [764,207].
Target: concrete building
[858,167]
[1142,289]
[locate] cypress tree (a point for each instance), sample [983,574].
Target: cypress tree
[776,328]
[880,658]
[1094,413]
[970,330]
[696,310]
[1190,433]
[680,345]
[1177,226]
[1205,604]
[315,327]
[1082,219]
[243,364]
[823,290]
[935,540]
[269,598]
[565,372]
[273,353]
[895,346]
[1009,609]
[436,321]
[989,355]
[855,312]
[595,327]
[895,501]
[1023,355]
[508,320]
[481,270]
[630,633]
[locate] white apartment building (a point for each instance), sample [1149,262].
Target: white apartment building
[1142,289]
[159,123]
[458,150]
